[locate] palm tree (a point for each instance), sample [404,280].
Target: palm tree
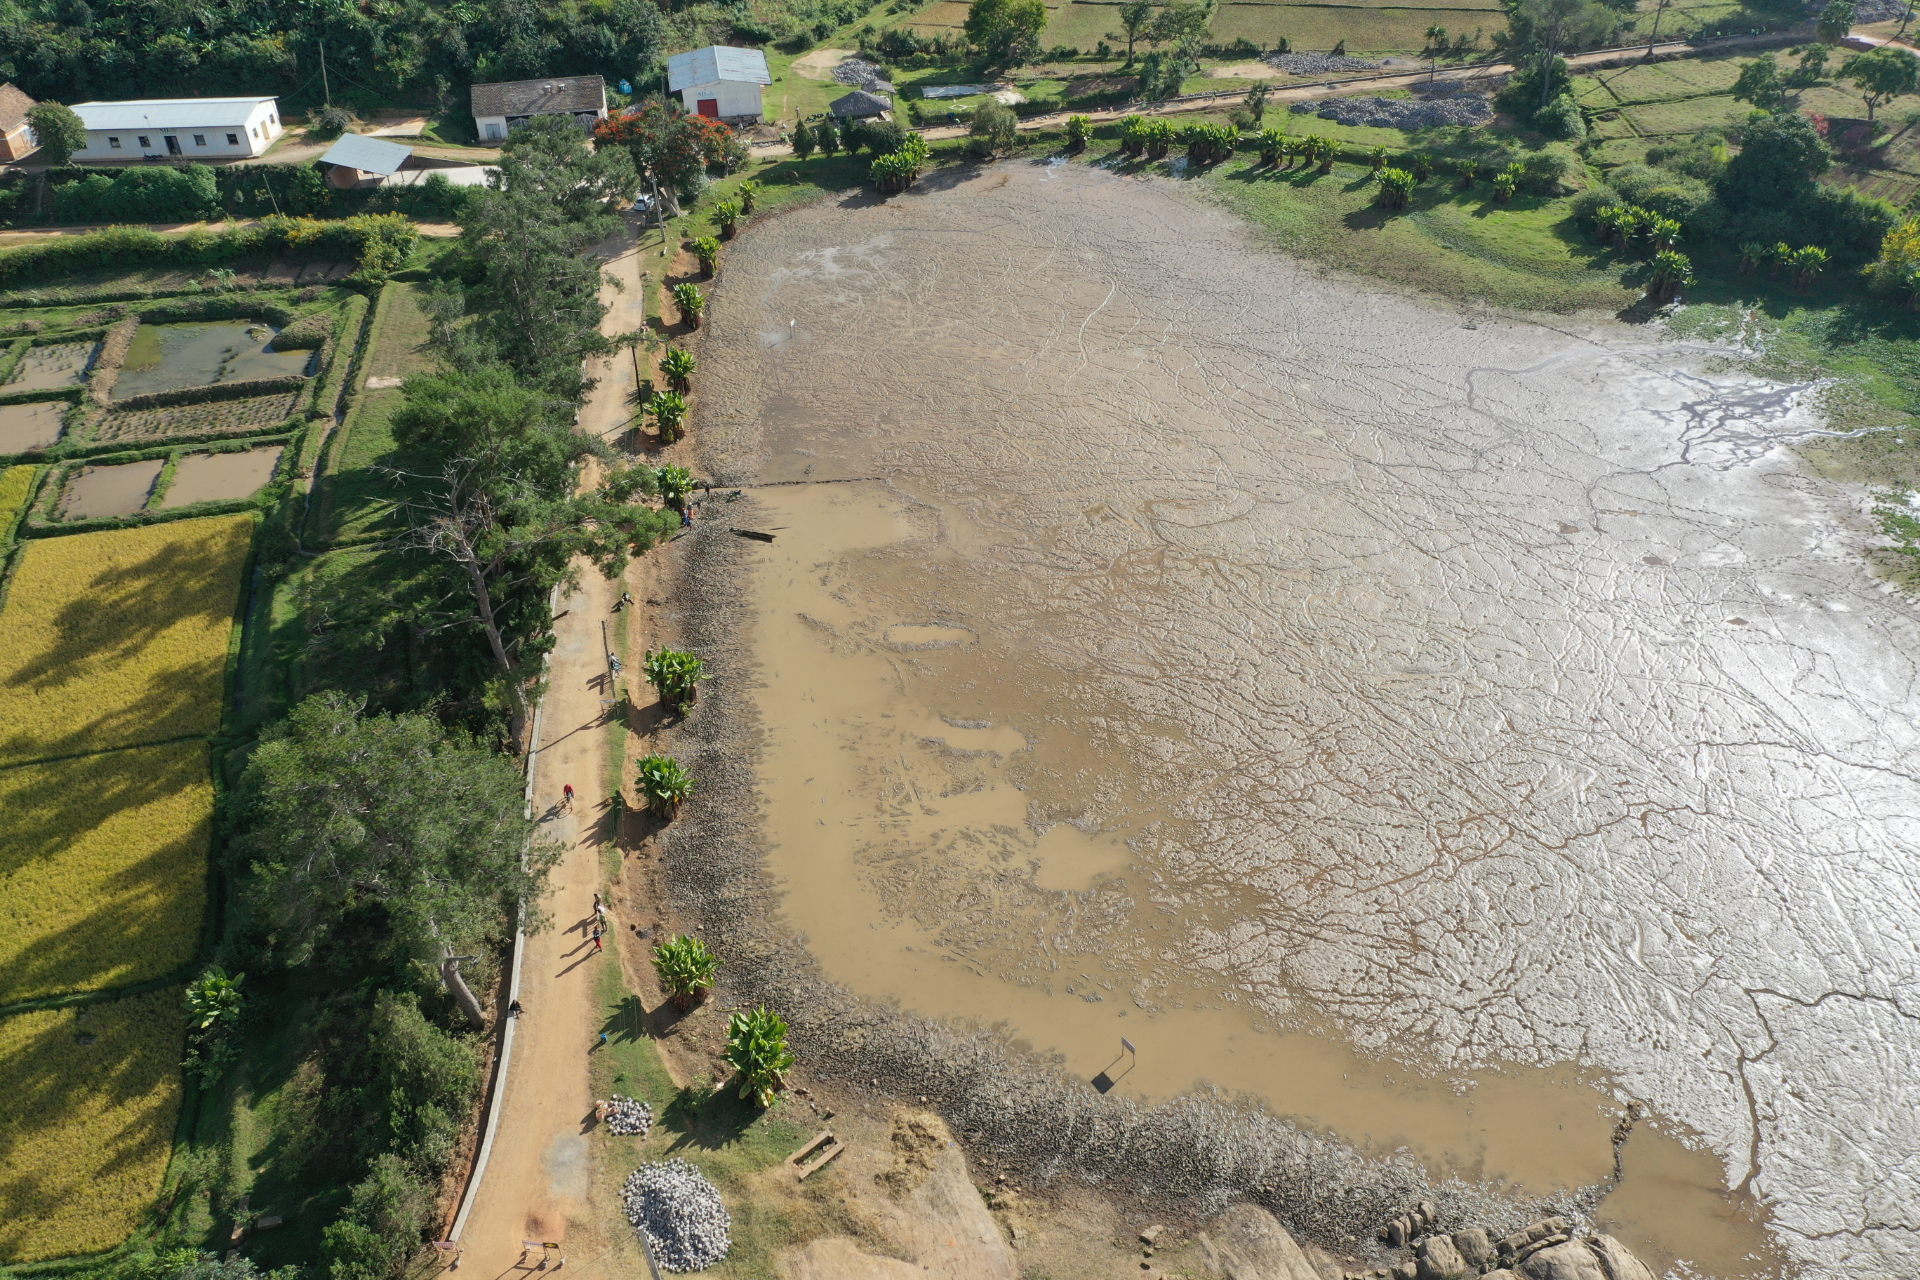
[707,249]
[664,783]
[1396,189]
[668,409]
[678,365]
[686,968]
[1672,272]
[674,673]
[691,304]
[757,1049]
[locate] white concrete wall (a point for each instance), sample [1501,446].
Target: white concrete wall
[735,99]
[482,125]
[262,127]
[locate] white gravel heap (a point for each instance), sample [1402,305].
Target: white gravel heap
[1400,113]
[863,75]
[628,1117]
[1316,64]
[680,1214]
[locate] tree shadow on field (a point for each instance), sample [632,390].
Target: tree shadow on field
[109,617]
[87,1096]
[131,909]
[710,1117]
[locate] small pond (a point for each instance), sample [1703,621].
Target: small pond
[43,368]
[217,477]
[166,357]
[110,491]
[30,426]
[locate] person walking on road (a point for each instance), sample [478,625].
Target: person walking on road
[596,939]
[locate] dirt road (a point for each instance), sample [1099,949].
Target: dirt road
[537,1179]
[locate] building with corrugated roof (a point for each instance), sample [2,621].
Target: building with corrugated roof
[178,129]
[353,160]
[16,139]
[499,107]
[719,81]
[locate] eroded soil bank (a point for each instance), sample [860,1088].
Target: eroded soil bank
[1445,729]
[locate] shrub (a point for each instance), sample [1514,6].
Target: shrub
[691,303]
[668,409]
[162,194]
[1561,118]
[707,249]
[330,122]
[306,334]
[664,783]
[992,130]
[678,365]
[1542,171]
[675,673]
[757,1049]
[1079,131]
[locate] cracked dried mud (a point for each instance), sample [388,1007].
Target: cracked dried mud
[1446,728]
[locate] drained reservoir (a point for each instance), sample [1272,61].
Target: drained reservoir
[1451,730]
[167,357]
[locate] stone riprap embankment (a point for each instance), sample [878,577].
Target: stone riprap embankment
[1547,1249]
[1316,64]
[862,74]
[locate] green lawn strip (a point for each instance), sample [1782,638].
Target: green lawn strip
[727,1139]
[359,498]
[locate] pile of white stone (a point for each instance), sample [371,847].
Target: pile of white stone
[1400,113]
[862,74]
[1316,64]
[680,1214]
[628,1117]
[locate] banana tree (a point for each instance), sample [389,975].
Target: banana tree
[1378,156]
[668,409]
[675,673]
[1422,167]
[691,304]
[1469,170]
[1662,233]
[1752,254]
[1079,133]
[686,968]
[707,249]
[757,1049]
[1807,263]
[678,366]
[1628,224]
[1396,189]
[748,193]
[1272,143]
[1321,149]
[675,484]
[1672,272]
[664,783]
[726,215]
[1605,219]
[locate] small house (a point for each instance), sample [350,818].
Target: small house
[16,139]
[720,82]
[861,105]
[499,107]
[178,128]
[354,160]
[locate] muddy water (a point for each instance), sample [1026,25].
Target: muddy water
[44,368]
[30,426]
[1447,729]
[165,357]
[110,491]
[212,477]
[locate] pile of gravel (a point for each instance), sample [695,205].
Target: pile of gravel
[862,74]
[628,1117]
[1400,113]
[680,1214]
[1871,10]
[1315,64]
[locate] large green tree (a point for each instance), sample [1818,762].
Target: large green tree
[1135,17]
[1881,75]
[1006,31]
[1761,85]
[339,811]
[58,130]
[1779,160]
[1541,30]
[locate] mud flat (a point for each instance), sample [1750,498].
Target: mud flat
[166,357]
[1447,730]
[45,368]
[30,426]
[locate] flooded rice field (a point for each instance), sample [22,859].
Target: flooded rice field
[1460,733]
[47,368]
[166,357]
[110,491]
[30,426]
[215,477]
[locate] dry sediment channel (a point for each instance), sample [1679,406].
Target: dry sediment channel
[1433,731]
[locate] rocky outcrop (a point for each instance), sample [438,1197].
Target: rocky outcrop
[1248,1243]
[1550,1249]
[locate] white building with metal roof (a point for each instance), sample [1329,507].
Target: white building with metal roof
[178,129]
[719,81]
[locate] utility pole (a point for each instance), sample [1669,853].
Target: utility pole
[324,90]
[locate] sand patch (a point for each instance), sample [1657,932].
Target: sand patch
[819,64]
